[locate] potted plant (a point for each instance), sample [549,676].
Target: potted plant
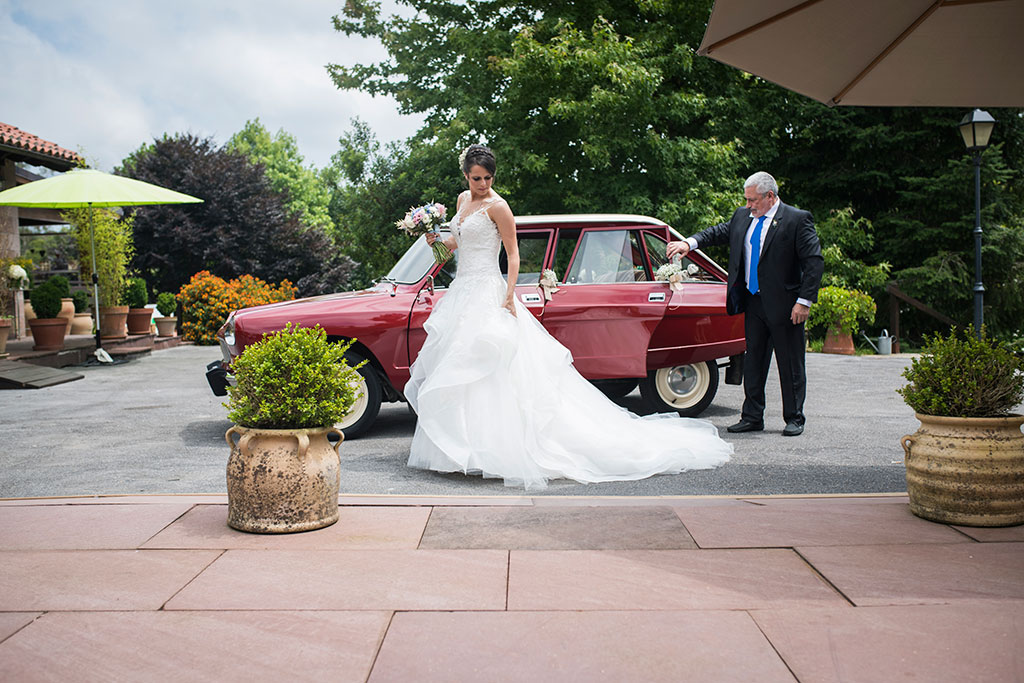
[290,389]
[841,311]
[112,238]
[166,304]
[136,296]
[82,322]
[965,465]
[47,328]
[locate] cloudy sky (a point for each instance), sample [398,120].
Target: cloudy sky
[106,76]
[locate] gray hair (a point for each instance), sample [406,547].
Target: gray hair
[762,182]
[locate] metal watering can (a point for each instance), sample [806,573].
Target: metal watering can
[884,347]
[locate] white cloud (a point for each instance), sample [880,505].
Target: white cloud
[106,77]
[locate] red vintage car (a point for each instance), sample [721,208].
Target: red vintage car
[622,326]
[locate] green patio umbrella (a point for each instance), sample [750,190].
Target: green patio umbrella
[88,188]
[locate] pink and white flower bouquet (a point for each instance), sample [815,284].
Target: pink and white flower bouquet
[424,219]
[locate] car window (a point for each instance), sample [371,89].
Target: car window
[608,256]
[656,249]
[533,246]
[417,261]
[567,240]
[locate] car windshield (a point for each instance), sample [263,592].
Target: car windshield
[414,264]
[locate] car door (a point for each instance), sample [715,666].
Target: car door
[607,305]
[696,326]
[534,248]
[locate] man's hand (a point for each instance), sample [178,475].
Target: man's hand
[682,248]
[799,314]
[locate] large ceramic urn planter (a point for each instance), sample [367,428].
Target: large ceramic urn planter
[140,320]
[967,470]
[48,333]
[282,480]
[113,322]
[165,327]
[82,323]
[837,341]
[5,330]
[67,312]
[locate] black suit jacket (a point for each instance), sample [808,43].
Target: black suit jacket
[790,266]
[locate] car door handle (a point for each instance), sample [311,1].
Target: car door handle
[656,296]
[531,298]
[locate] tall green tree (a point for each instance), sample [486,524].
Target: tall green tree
[242,226]
[305,191]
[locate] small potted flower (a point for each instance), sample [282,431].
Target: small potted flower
[291,388]
[965,465]
[841,311]
[166,322]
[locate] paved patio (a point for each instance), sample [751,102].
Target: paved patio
[850,588]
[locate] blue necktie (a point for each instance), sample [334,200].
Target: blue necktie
[755,254]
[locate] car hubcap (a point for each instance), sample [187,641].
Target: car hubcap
[683,385]
[358,408]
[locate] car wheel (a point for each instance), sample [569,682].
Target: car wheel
[366,407]
[615,388]
[685,389]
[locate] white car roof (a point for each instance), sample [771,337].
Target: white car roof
[588,218]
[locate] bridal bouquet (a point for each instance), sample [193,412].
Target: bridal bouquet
[424,219]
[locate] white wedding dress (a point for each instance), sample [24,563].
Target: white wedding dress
[496,395]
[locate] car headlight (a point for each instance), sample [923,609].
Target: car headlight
[227,331]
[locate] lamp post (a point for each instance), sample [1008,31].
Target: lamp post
[976,129]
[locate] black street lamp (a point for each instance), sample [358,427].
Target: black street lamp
[976,128]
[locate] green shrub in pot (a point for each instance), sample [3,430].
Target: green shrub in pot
[46,300]
[135,294]
[81,299]
[62,285]
[166,303]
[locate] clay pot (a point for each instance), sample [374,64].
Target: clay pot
[30,313]
[837,341]
[282,480]
[5,330]
[48,333]
[67,312]
[113,322]
[967,470]
[140,320]
[165,327]
[82,323]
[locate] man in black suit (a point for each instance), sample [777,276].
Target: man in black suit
[776,294]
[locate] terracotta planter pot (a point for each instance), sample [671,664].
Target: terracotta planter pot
[165,326]
[67,312]
[140,320]
[5,330]
[282,480]
[30,313]
[81,323]
[48,333]
[967,470]
[114,322]
[837,341]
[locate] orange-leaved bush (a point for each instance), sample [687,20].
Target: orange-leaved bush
[207,300]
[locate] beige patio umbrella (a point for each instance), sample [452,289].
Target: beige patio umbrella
[947,53]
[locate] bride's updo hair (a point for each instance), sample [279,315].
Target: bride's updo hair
[477,155]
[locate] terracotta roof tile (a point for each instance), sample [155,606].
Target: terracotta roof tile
[15,137]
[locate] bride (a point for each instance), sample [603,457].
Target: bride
[497,395]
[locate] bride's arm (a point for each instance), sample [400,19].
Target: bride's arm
[502,216]
[450,242]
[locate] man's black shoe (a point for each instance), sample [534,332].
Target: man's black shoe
[793,429]
[744,426]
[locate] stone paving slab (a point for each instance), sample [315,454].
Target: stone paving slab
[664,580]
[205,526]
[569,646]
[809,524]
[966,642]
[12,622]
[96,579]
[350,580]
[1007,534]
[556,528]
[926,573]
[193,646]
[84,527]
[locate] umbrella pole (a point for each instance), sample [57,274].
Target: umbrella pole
[95,277]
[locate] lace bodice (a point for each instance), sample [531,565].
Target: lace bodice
[479,243]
